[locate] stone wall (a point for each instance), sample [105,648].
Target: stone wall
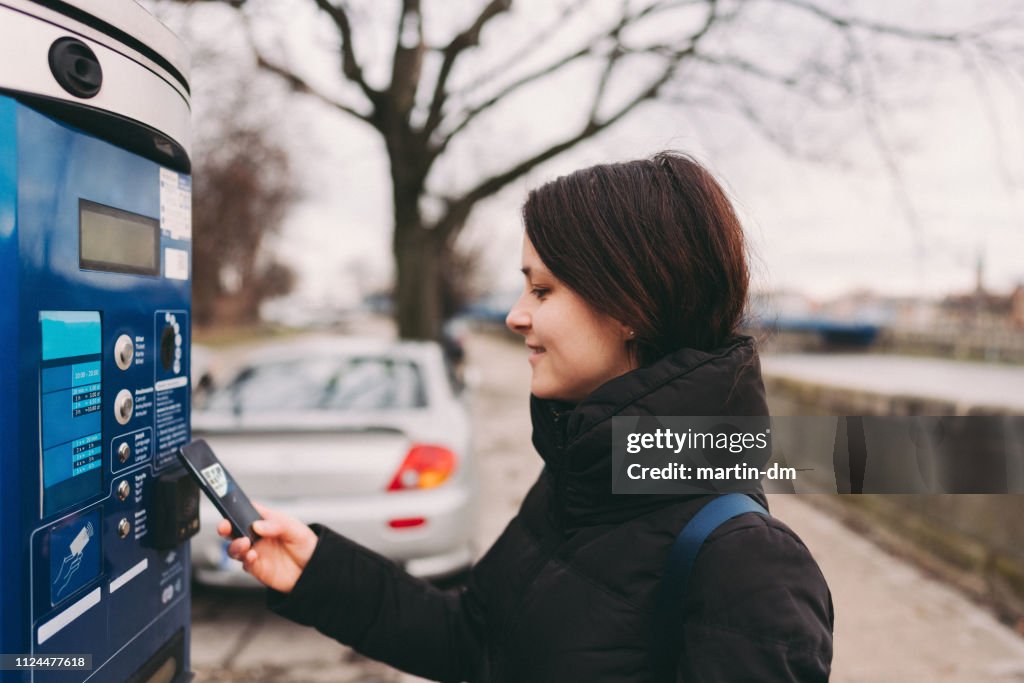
[974,541]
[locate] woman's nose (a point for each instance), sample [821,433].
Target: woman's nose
[518,320]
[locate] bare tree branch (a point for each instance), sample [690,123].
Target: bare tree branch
[847,22]
[784,140]
[589,48]
[460,43]
[475,111]
[349,64]
[988,104]
[407,64]
[539,39]
[609,66]
[458,209]
[602,83]
[297,84]
[870,105]
[796,83]
[752,114]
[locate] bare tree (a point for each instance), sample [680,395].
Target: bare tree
[242,192]
[687,52]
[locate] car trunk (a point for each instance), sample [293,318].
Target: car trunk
[282,464]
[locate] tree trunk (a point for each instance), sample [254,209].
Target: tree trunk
[417,299]
[417,250]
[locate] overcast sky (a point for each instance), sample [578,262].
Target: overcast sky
[821,227]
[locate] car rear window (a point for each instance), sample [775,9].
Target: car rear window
[351,383]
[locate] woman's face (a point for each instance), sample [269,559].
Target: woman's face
[573,348]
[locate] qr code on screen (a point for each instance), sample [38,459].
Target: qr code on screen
[215,477]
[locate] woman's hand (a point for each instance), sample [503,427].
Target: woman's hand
[278,558]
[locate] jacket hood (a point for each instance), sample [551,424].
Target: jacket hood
[575,441]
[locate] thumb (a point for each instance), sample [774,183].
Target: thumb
[272,528]
[267,528]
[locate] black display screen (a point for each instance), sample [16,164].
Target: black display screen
[117,241]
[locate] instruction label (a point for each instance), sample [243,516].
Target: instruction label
[175,205]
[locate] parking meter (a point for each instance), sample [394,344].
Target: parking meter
[95,253]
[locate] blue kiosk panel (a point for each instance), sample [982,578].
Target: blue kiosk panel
[95,250]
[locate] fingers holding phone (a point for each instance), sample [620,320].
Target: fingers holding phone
[272,546]
[284,547]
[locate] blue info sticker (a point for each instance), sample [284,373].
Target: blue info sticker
[71,403]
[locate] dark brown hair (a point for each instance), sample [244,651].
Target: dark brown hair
[654,243]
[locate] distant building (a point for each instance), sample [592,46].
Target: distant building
[980,308]
[866,306]
[1017,306]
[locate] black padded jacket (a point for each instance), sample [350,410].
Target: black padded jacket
[567,592]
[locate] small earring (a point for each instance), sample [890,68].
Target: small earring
[632,333]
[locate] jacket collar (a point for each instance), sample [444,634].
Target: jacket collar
[575,440]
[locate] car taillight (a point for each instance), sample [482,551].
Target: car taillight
[407,522]
[424,468]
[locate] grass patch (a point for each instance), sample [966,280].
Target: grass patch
[226,337]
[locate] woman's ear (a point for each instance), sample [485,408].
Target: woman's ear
[629,340]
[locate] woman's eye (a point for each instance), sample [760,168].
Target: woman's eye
[538,292]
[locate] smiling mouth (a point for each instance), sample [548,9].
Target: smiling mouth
[535,350]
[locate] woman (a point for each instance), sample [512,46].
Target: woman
[636,279]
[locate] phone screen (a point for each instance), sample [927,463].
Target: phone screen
[220,487]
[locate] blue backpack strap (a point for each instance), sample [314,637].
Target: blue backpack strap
[669,617]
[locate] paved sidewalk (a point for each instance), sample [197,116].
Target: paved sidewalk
[893,623]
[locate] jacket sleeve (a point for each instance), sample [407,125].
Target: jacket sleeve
[366,601]
[757,608]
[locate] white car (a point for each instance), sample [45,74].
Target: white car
[366,436]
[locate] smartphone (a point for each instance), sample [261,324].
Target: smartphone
[220,487]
